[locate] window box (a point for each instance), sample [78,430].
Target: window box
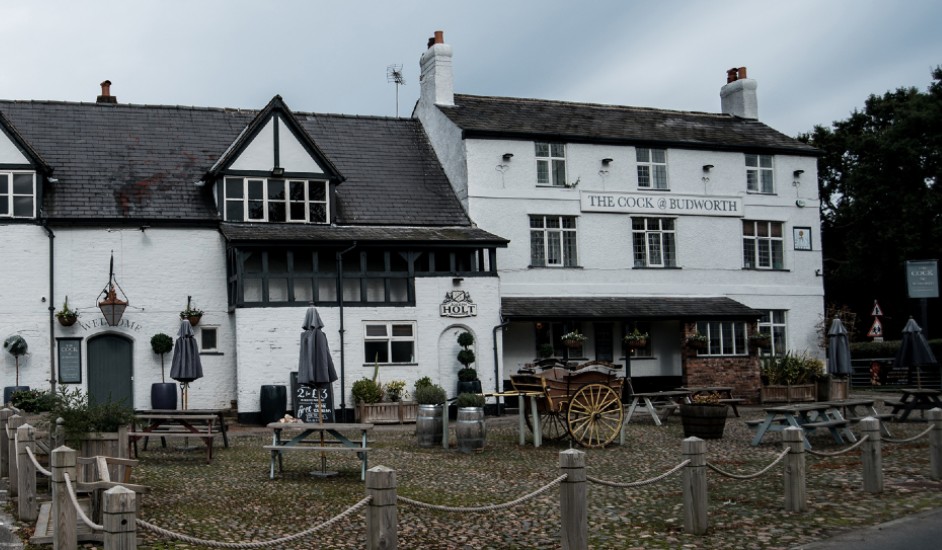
[788,393]
[400,412]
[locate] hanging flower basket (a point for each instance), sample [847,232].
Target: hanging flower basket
[67,320]
[636,340]
[573,339]
[761,340]
[697,342]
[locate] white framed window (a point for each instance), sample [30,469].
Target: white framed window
[276,200]
[773,323]
[763,246]
[550,164]
[389,343]
[724,337]
[17,194]
[553,241]
[653,240]
[209,338]
[759,174]
[652,168]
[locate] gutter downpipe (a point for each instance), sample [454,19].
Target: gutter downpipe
[497,378]
[52,306]
[343,394]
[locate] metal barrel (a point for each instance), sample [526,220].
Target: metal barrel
[470,429]
[428,426]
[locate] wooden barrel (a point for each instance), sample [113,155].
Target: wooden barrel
[428,426]
[470,429]
[703,421]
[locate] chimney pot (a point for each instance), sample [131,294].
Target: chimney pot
[431,42]
[106,96]
[439,37]
[742,72]
[732,75]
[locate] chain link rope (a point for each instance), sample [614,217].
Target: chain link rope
[487,508]
[778,459]
[630,484]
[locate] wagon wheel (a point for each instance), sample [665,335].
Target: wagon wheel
[595,415]
[552,424]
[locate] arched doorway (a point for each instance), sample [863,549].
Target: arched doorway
[111,369]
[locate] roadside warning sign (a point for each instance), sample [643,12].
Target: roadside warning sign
[876,329]
[877,312]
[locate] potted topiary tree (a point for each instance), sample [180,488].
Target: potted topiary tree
[163,395]
[15,346]
[471,430]
[431,398]
[468,381]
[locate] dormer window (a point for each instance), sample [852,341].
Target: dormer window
[17,194]
[276,200]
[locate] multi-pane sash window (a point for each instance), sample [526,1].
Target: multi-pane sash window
[762,245]
[652,168]
[551,164]
[773,324]
[759,174]
[276,200]
[653,242]
[388,343]
[553,241]
[17,195]
[725,337]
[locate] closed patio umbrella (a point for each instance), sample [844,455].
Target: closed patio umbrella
[838,350]
[914,351]
[315,365]
[185,366]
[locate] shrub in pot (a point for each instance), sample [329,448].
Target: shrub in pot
[468,381]
[704,417]
[15,346]
[163,395]
[367,391]
[470,430]
[428,425]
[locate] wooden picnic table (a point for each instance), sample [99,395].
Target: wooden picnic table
[805,416]
[915,399]
[666,401]
[219,413]
[174,424]
[311,436]
[725,393]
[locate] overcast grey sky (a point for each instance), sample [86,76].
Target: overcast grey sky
[814,61]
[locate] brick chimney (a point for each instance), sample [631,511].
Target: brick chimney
[106,96]
[738,96]
[437,79]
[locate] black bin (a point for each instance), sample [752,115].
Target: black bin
[274,403]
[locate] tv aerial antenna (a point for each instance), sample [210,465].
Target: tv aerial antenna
[394,75]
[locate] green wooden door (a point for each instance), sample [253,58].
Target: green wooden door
[110,369]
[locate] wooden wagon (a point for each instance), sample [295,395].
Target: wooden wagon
[583,403]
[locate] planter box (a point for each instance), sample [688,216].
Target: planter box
[833,389]
[703,421]
[400,412]
[788,394]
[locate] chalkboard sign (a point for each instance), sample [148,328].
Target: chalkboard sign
[70,360]
[305,401]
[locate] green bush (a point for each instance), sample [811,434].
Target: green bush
[467,374]
[425,381]
[430,395]
[470,400]
[886,349]
[80,417]
[33,401]
[546,350]
[465,339]
[367,391]
[791,369]
[466,357]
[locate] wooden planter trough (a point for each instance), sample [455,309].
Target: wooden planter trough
[833,389]
[788,393]
[399,412]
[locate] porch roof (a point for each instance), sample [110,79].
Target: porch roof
[626,307]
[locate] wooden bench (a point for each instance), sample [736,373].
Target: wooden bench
[276,450]
[826,424]
[202,427]
[881,417]
[755,423]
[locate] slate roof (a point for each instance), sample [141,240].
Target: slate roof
[516,118]
[141,163]
[618,307]
[292,233]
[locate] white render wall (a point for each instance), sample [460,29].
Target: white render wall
[157,269]
[269,340]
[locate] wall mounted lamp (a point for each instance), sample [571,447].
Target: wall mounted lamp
[798,173]
[507,156]
[607,161]
[112,307]
[277,171]
[707,167]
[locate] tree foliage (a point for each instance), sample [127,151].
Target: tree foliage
[879,180]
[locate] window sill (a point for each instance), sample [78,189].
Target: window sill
[772,194]
[656,267]
[211,353]
[780,269]
[655,189]
[554,267]
[372,365]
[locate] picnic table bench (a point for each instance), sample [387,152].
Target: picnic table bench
[174,424]
[311,438]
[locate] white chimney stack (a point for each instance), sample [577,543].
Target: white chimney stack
[438,81]
[738,96]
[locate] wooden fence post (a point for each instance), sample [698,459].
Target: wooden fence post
[382,516]
[26,507]
[694,482]
[64,536]
[13,423]
[119,519]
[573,516]
[796,494]
[935,444]
[871,455]
[5,415]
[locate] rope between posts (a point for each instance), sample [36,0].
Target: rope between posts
[39,468]
[489,507]
[673,470]
[260,544]
[78,509]
[842,451]
[909,439]
[778,459]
